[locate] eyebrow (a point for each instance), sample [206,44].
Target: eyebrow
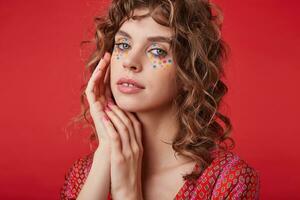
[151,39]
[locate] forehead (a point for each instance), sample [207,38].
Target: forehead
[145,26]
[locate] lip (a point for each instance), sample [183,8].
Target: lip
[131,81]
[129,90]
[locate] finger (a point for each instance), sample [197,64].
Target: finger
[103,87]
[126,120]
[98,118]
[97,71]
[105,79]
[137,130]
[138,135]
[123,130]
[101,81]
[94,79]
[115,141]
[89,91]
[107,90]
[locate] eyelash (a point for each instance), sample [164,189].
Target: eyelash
[161,55]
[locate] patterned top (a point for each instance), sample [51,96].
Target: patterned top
[227,177]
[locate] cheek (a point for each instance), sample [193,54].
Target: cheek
[118,55]
[157,63]
[163,79]
[162,90]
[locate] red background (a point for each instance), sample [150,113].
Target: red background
[42,71]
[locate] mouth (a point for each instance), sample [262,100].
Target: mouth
[130,83]
[129,86]
[128,89]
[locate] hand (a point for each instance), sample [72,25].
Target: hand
[125,132]
[98,92]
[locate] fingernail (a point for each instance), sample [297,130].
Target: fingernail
[110,102]
[105,103]
[107,108]
[103,55]
[106,55]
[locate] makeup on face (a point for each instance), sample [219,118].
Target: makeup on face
[157,56]
[159,61]
[119,52]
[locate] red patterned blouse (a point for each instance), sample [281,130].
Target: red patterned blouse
[227,177]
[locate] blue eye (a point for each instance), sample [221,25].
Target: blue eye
[159,52]
[125,46]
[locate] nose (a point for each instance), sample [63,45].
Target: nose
[134,68]
[133,62]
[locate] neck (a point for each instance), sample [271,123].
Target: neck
[159,129]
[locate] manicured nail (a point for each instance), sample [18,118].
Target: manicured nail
[110,102]
[105,104]
[106,56]
[107,108]
[103,55]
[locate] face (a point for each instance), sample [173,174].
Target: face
[142,53]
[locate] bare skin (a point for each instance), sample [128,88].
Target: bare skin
[132,133]
[96,186]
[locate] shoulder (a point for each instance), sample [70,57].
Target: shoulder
[229,176]
[75,177]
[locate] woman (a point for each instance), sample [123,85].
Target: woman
[154,96]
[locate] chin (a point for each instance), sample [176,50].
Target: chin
[127,104]
[132,105]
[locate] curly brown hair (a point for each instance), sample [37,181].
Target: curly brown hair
[200,53]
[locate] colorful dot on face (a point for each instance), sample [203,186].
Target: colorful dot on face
[158,61]
[161,63]
[118,53]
